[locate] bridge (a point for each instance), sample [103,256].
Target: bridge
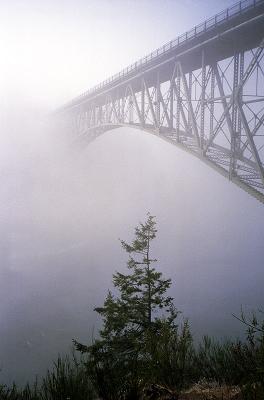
[203,92]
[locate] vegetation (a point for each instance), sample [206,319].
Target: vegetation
[67,381]
[135,324]
[144,352]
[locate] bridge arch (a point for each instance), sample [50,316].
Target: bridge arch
[202,92]
[93,133]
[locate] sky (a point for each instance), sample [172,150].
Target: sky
[63,212]
[54,50]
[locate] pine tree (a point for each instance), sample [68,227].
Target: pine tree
[121,360]
[142,302]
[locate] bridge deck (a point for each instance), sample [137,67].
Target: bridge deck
[231,29]
[203,91]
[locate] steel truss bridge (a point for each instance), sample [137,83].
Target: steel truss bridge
[203,92]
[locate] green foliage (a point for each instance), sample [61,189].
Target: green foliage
[141,349]
[135,323]
[172,353]
[250,358]
[217,362]
[114,376]
[142,292]
[14,393]
[235,363]
[68,380]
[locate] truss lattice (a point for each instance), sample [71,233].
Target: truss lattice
[207,98]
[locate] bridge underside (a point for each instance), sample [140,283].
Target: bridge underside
[188,146]
[206,98]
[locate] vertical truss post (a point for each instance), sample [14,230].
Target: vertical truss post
[123,109]
[135,105]
[117,106]
[179,99]
[150,103]
[100,114]
[240,97]
[93,115]
[73,123]
[235,84]
[189,108]
[91,119]
[81,120]
[130,108]
[86,119]
[233,155]
[77,121]
[157,100]
[106,111]
[171,105]
[111,105]
[110,109]
[104,114]
[114,116]
[212,102]
[96,115]
[226,111]
[178,109]
[143,122]
[79,116]
[203,98]
[88,122]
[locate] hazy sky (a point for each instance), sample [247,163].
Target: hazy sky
[62,213]
[53,50]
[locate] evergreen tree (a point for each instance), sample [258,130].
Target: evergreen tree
[142,302]
[120,361]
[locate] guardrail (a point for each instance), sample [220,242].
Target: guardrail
[237,9]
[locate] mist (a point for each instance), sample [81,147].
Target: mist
[63,212]
[64,208]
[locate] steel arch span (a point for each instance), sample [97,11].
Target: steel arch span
[203,92]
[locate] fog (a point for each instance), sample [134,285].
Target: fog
[63,211]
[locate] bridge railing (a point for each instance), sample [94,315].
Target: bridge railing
[211,23]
